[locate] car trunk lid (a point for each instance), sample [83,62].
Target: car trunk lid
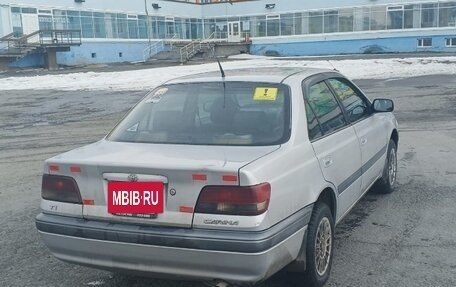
[183,169]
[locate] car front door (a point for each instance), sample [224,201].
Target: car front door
[334,141]
[370,128]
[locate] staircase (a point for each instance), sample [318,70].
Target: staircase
[181,51]
[15,46]
[194,48]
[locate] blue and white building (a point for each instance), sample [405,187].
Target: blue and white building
[122,30]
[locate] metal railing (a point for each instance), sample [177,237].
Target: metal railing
[59,37]
[215,37]
[19,44]
[153,49]
[189,50]
[13,44]
[172,40]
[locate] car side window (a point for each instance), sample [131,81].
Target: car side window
[326,108]
[312,124]
[355,104]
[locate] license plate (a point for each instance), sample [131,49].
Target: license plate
[135,197]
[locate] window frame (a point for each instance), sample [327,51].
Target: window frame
[305,85]
[357,91]
[420,42]
[315,79]
[449,42]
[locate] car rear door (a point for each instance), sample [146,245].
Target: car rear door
[334,141]
[370,128]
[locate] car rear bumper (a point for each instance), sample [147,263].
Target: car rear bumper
[234,256]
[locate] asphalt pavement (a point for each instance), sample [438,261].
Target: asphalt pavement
[407,238]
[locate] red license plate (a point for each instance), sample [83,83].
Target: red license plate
[135,197]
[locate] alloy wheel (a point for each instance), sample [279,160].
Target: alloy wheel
[392,167]
[323,248]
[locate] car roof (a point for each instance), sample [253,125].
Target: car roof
[263,74]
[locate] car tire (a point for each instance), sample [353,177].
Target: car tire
[319,249]
[388,180]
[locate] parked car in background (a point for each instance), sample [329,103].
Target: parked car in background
[222,177]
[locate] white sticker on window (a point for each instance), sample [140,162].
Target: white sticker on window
[133,128]
[157,96]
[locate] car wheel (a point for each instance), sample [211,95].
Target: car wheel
[388,179]
[319,249]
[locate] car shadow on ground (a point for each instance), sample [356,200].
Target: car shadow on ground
[283,278]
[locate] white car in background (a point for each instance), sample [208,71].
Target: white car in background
[222,178]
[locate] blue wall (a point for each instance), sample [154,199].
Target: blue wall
[104,52]
[404,44]
[31,60]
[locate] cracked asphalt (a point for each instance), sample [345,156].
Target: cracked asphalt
[407,238]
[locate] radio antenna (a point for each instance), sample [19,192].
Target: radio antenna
[220,66]
[334,68]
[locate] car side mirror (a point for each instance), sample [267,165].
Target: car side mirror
[383,105]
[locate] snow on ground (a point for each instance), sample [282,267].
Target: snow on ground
[144,79]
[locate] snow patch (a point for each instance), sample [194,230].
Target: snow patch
[146,79]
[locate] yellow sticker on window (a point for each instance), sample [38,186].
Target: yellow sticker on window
[265,94]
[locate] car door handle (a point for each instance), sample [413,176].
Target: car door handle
[327,161]
[363,141]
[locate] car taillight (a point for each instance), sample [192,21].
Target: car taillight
[60,188]
[234,200]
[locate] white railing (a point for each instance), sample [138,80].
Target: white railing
[172,40]
[215,37]
[153,49]
[192,48]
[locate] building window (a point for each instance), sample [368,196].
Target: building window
[450,42]
[122,26]
[74,20]
[315,22]
[395,17]
[362,19]
[346,20]
[45,22]
[99,25]
[16,20]
[273,25]
[331,20]
[424,42]
[258,27]
[111,25]
[60,19]
[429,15]
[142,26]
[286,24]
[447,14]
[94,55]
[378,18]
[28,10]
[87,24]
[411,16]
[133,28]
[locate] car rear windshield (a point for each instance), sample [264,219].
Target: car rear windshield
[215,113]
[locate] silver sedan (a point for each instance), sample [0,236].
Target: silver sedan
[222,177]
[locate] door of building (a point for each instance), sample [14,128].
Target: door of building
[234,31]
